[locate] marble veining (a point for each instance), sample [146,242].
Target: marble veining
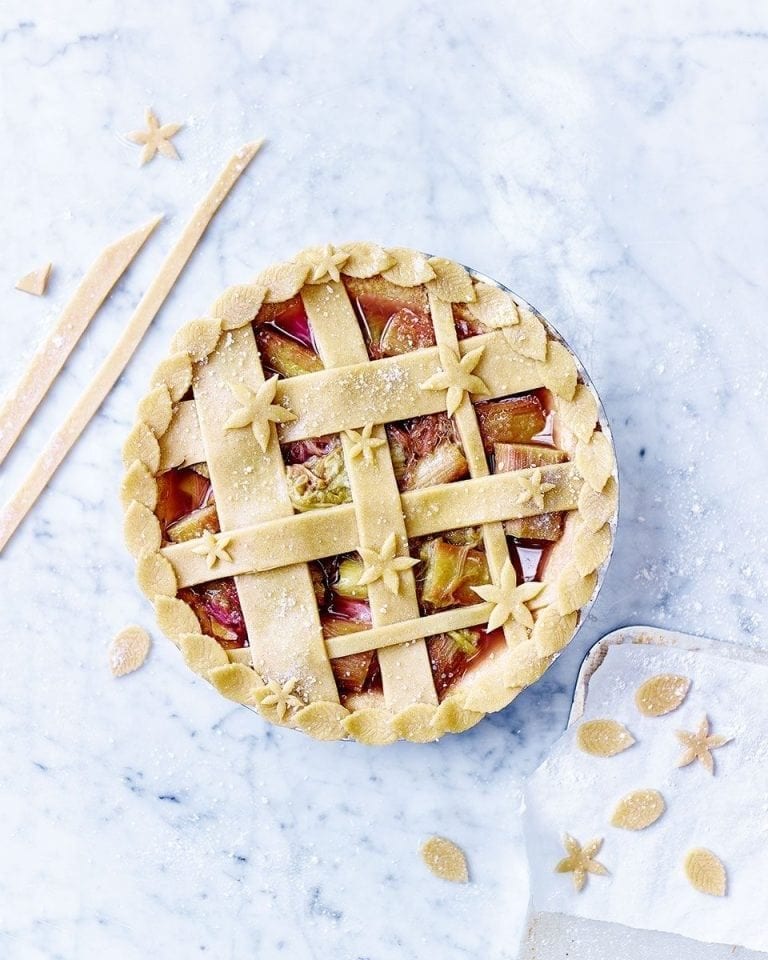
[607,162]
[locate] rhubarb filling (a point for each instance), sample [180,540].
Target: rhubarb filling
[517,434]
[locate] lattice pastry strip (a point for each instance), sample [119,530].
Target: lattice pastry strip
[323,533]
[249,484]
[494,539]
[405,670]
[380,391]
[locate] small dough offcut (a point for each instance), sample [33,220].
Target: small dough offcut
[36,281]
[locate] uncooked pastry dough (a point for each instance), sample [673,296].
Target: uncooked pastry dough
[61,442]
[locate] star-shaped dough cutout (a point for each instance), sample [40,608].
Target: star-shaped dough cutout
[258,410]
[509,599]
[324,263]
[581,861]
[156,138]
[214,547]
[699,746]
[363,444]
[456,377]
[281,697]
[532,488]
[384,565]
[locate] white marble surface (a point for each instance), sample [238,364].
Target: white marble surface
[605,160]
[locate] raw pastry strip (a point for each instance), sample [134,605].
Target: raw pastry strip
[405,671]
[63,439]
[372,392]
[323,533]
[279,607]
[407,630]
[52,353]
[494,538]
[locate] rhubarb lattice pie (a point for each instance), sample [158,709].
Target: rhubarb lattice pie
[370,495]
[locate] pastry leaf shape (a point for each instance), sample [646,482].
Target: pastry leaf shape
[638,810]
[705,872]
[128,650]
[493,307]
[452,283]
[322,720]
[445,860]
[662,694]
[604,738]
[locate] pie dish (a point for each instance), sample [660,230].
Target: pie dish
[371,495]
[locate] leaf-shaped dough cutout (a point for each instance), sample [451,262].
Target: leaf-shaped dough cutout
[445,860]
[662,694]
[493,307]
[452,283]
[410,268]
[237,682]
[128,650]
[238,305]
[365,259]
[638,810]
[372,726]
[603,738]
[198,338]
[322,720]
[706,872]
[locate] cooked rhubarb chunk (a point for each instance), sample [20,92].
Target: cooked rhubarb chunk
[444,464]
[449,572]
[194,525]
[299,451]
[450,654]
[514,420]
[320,481]
[290,318]
[347,584]
[336,625]
[406,331]
[356,672]
[465,323]
[179,492]
[318,584]
[217,607]
[284,355]
[521,456]
[426,451]
[545,526]
[391,329]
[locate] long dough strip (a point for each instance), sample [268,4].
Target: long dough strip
[52,353]
[61,442]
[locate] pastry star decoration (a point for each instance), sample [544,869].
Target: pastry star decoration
[531,488]
[699,746]
[214,547]
[509,599]
[456,377]
[581,861]
[156,139]
[324,263]
[281,697]
[363,444]
[258,411]
[384,565]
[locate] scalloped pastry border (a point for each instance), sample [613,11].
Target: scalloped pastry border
[558,608]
